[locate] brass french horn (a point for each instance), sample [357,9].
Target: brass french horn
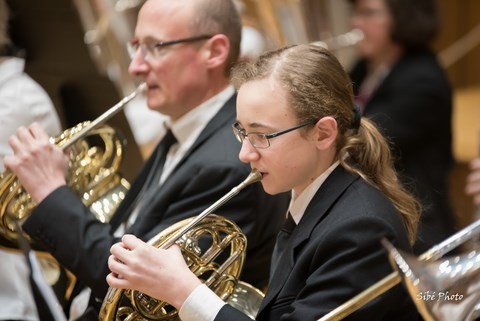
[219,273]
[93,172]
[93,175]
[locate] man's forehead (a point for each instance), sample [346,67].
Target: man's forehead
[168,6]
[163,20]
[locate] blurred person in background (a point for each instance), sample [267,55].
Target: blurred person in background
[401,86]
[22,101]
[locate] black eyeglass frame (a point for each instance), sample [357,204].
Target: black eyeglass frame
[134,46]
[241,134]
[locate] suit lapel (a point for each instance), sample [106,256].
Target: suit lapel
[225,115]
[126,205]
[319,207]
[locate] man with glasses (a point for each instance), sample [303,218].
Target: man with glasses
[183,50]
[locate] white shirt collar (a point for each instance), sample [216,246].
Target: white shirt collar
[188,128]
[299,203]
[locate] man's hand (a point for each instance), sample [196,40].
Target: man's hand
[40,166]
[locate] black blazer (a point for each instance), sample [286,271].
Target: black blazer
[413,108]
[333,254]
[211,168]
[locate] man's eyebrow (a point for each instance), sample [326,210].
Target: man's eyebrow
[148,39]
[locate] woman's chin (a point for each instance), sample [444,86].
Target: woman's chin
[270,188]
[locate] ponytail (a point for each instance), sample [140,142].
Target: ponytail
[367,154]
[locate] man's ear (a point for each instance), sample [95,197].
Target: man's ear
[326,132]
[216,52]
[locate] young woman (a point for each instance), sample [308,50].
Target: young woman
[298,126]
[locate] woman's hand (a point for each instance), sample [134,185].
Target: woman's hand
[162,274]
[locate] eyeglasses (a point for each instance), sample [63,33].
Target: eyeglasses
[153,50]
[259,140]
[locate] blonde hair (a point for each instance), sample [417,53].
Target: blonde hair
[318,86]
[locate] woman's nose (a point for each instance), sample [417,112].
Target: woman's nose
[248,153]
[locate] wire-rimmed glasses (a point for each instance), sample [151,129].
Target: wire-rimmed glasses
[153,50]
[260,140]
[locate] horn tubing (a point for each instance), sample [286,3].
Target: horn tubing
[253,177]
[394,278]
[104,117]
[452,242]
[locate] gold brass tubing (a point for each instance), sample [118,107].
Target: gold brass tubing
[104,117]
[253,177]
[363,298]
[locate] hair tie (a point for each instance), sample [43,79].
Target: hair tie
[357,115]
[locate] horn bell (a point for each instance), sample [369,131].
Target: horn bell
[443,290]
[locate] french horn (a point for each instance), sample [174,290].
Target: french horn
[211,264]
[93,172]
[93,175]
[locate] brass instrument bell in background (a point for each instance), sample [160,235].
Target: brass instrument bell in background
[443,290]
[427,275]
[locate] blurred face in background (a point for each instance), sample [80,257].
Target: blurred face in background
[373,18]
[176,75]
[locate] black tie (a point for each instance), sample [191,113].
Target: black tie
[160,157]
[153,178]
[282,239]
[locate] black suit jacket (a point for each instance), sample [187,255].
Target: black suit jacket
[413,107]
[211,168]
[333,254]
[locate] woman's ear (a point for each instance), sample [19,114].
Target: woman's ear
[216,52]
[326,133]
